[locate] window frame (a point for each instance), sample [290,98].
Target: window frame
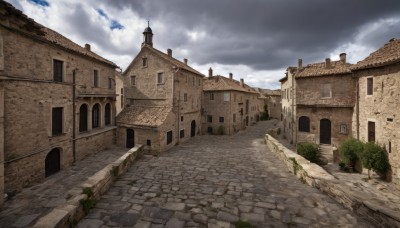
[158,78]
[107,114]
[343,128]
[96,78]
[370,86]
[133,80]
[96,120]
[209,118]
[227,97]
[144,62]
[185,97]
[58,78]
[304,124]
[57,125]
[325,86]
[221,119]
[83,118]
[212,96]
[170,137]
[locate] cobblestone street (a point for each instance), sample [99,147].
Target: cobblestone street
[215,181]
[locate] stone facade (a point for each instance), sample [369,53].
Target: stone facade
[320,111]
[40,110]
[375,117]
[156,81]
[119,91]
[228,105]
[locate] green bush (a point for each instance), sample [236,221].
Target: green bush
[309,151]
[350,151]
[374,158]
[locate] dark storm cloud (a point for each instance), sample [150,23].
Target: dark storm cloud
[264,34]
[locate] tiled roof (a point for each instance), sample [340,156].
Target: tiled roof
[388,54]
[220,83]
[31,28]
[174,61]
[319,69]
[143,116]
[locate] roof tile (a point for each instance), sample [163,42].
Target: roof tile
[143,116]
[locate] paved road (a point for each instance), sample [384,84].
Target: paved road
[214,181]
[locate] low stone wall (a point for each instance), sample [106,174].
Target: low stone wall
[70,213]
[317,177]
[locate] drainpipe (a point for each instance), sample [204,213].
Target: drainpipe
[230,112]
[73,115]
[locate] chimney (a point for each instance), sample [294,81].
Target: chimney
[210,72]
[327,63]
[299,63]
[230,76]
[242,82]
[169,52]
[185,61]
[87,47]
[342,57]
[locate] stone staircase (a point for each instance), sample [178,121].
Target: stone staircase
[325,153]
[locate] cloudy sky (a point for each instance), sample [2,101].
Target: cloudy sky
[254,39]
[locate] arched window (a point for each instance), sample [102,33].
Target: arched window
[107,114]
[83,117]
[96,116]
[304,124]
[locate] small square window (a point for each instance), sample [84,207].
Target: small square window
[148,142]
[160,79]
[181,118]
[211,96]
[209,119]
[343,128]
[221,119]
[95,78]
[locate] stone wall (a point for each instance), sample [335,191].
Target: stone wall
[317,177]
[381,108]
[274,107]
[94,142]
[1,142]
[288,107]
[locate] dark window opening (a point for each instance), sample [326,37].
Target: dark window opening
[169,137]
[370,86]
[371,131]
[181,118]
[221,119]
[96,78]
[209,119]
[110,83]
[57,121]
[390,146]
[83,118]
[304,124]
[148,142]
[210,130]
[144,62]
[95,116]
[182,134]
[107,116]
[58,70]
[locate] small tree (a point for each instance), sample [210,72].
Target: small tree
[374,157]
[308,151]
[350,151]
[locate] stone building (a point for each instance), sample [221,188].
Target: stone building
[320,111]
[288,101]
[378,98]
[119,91]
[228,105]
[161,99]
[56,101]
[272,98]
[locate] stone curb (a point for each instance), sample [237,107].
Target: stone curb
[317,177]
[72,211]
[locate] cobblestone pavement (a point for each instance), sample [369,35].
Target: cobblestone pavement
[214,181]
[35,201]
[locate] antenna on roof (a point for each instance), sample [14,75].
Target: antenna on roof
[148,22]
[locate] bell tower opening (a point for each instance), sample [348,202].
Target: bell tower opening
[148,35]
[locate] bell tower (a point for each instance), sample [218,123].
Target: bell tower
[148,35]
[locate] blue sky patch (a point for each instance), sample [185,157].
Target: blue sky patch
[102,13]
[43,3]
[116,25]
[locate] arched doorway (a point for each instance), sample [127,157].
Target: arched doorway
[130,138]
[193,128]
[52,162]
[83,118]
[325,131]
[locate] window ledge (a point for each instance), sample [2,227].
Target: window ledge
[94,132]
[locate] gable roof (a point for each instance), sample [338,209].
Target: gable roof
[166,57]
[388,54]
[27,26]
[143,116]
[319,69]
[221,83]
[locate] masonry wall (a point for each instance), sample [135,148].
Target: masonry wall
[288,109]
[29,96]
[274,107]
[1,142]
[119,90]
[381,108]
[141,137]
